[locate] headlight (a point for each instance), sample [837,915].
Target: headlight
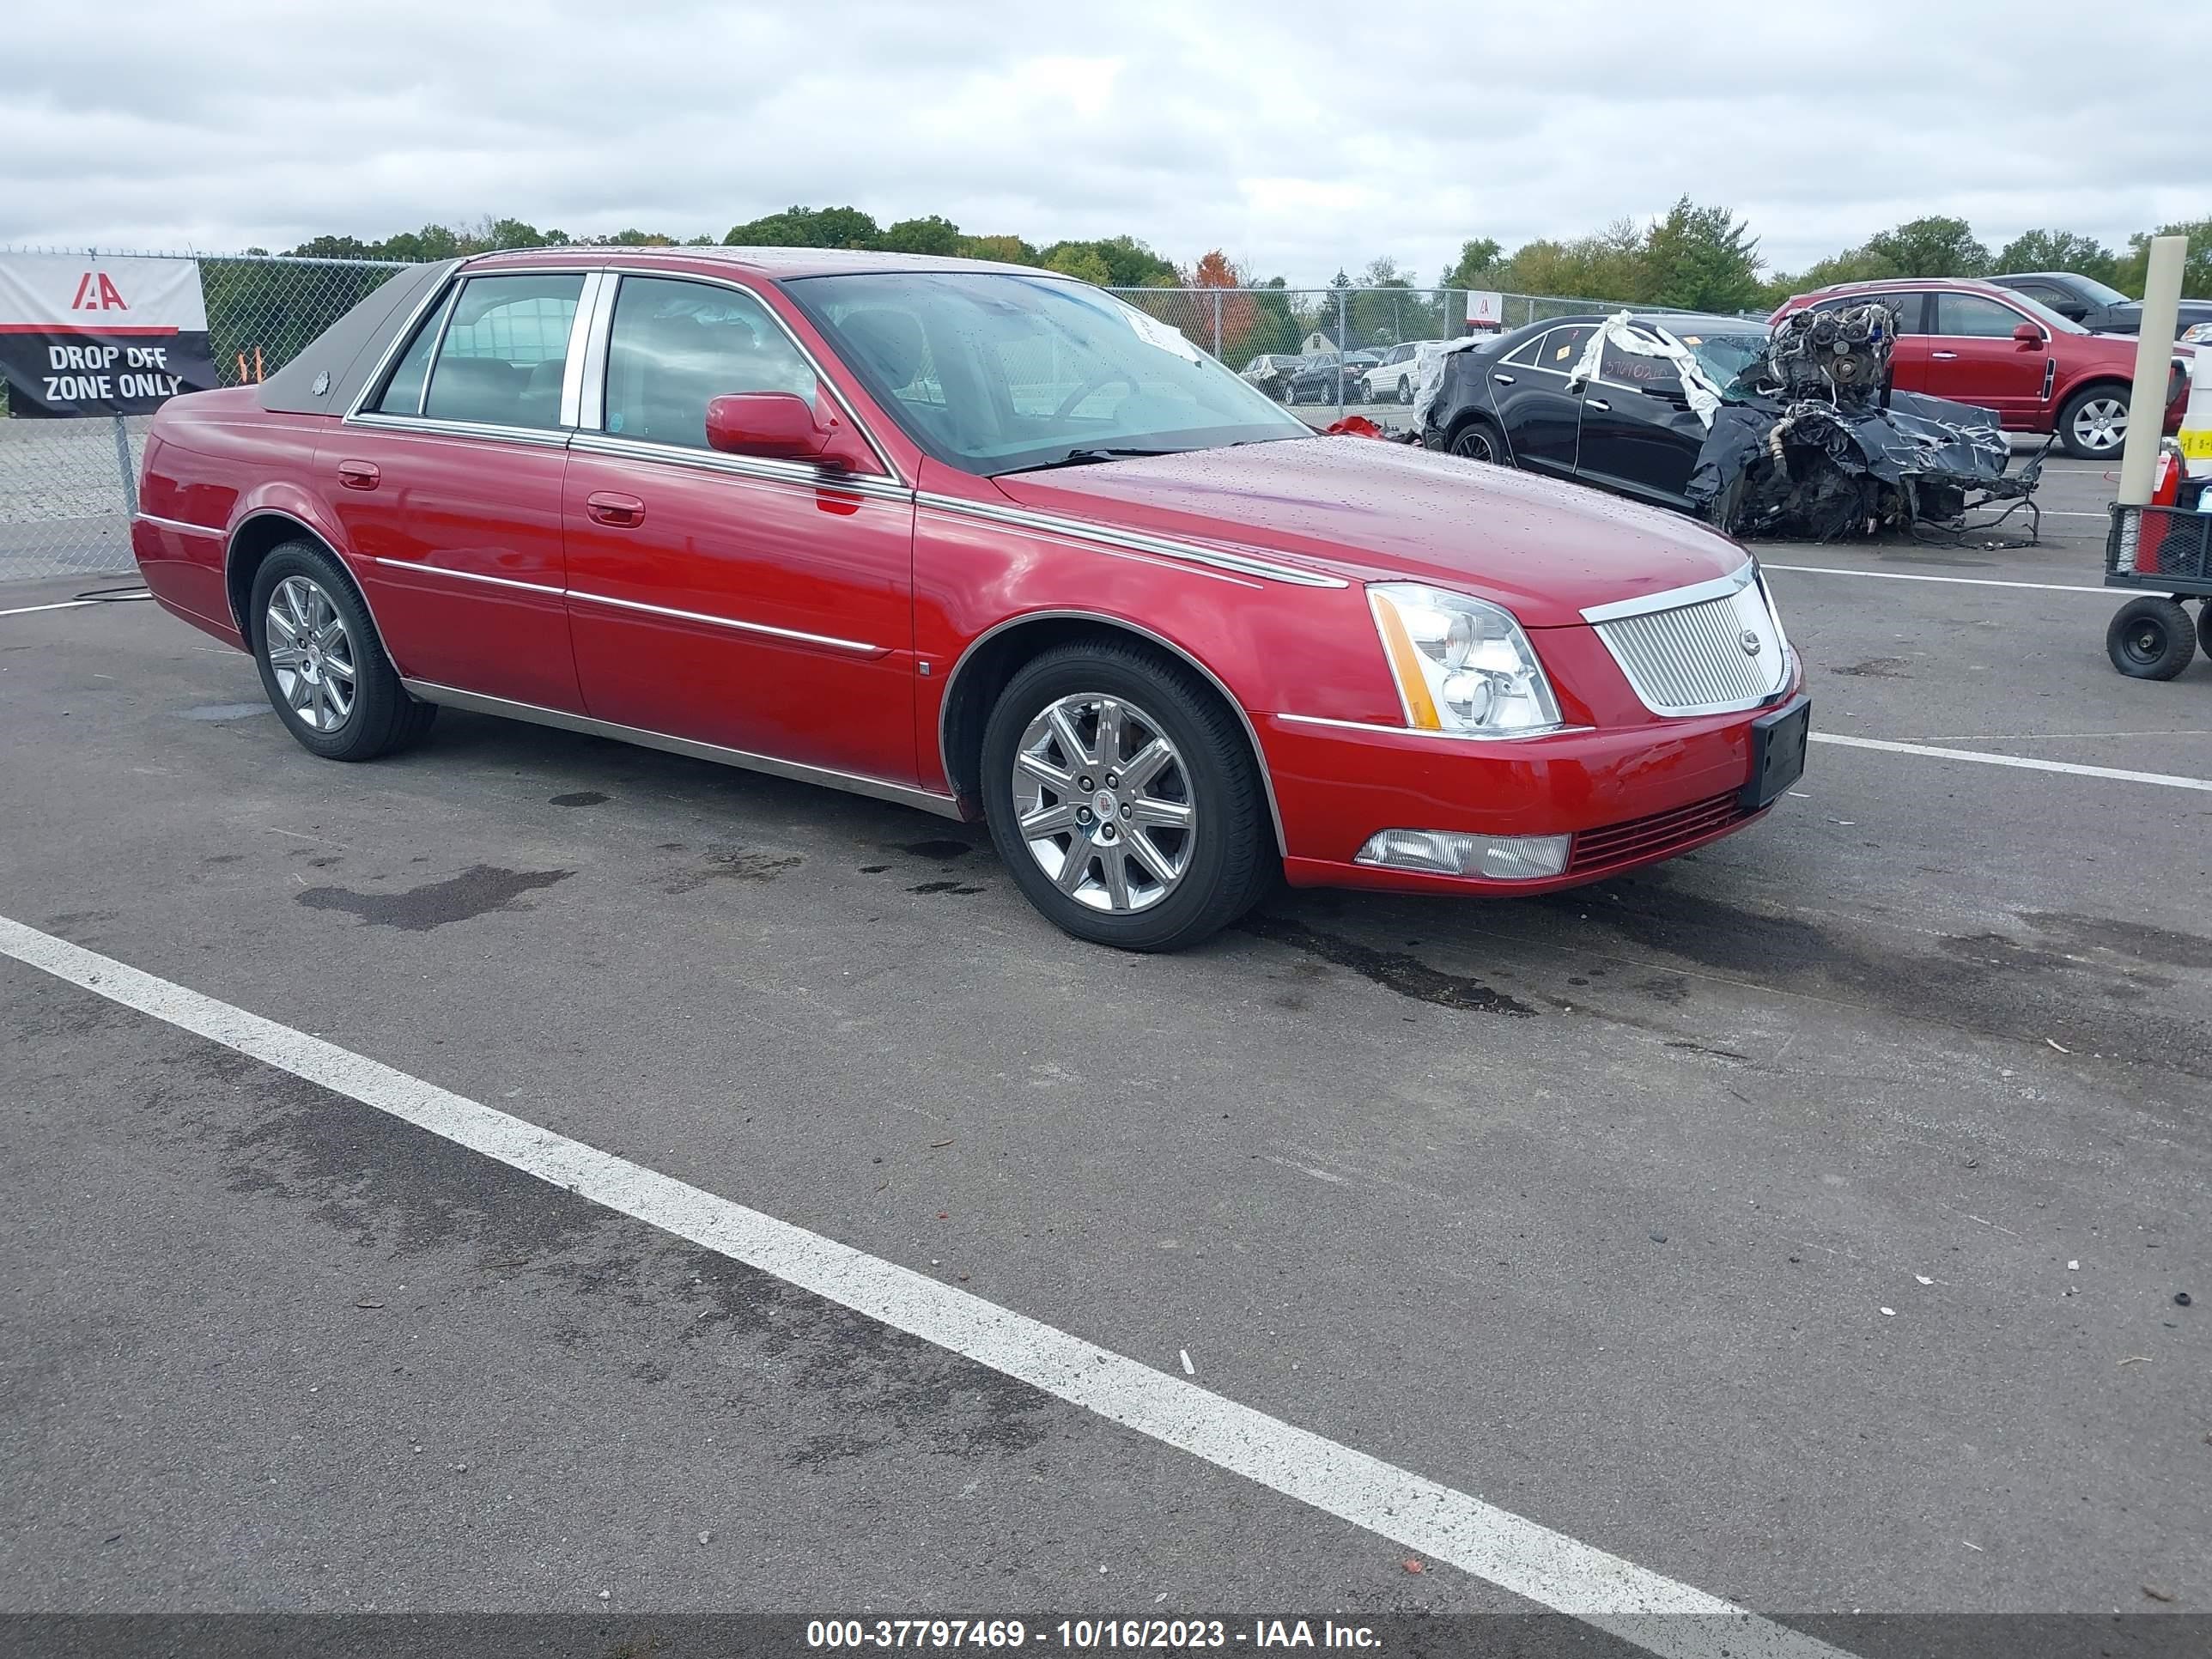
[2198,334]
[1463,666]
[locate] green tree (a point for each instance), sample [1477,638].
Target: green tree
[1933,247]
[1481,262]
[933,236]
[2195,263]
[1127,262]
[1609,265]
[1079,260]
[2057,250]
[804,226]
[1006,250]
[1701,258]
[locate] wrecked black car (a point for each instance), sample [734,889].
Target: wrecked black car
[1792,432]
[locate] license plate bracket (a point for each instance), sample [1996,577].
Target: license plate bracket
[1779,741]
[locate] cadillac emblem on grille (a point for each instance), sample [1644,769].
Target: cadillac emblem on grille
[1749,641]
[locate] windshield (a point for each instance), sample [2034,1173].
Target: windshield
[2102,293]
[2043,314]
[996,373]
[1727,356]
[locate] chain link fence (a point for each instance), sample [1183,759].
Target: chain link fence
[67,488]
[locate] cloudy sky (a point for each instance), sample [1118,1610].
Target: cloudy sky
[1300,138]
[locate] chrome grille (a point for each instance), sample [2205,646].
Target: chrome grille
[1691,659]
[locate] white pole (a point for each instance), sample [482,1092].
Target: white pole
[2153,359]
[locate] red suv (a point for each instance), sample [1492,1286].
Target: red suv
[1976,342]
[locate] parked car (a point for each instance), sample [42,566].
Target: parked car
[976,539]
[2100,307]
[1629,428]
[1394,378]
[1976,342]
[1271,372]
[1330,377]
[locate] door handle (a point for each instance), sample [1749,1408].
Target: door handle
[359,475]
[1592,402]
[1943,357]
[1502,380]
[617,512]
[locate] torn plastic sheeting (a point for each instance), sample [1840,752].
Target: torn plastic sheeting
[1430,386]
[1699,390]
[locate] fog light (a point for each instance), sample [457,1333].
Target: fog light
[1446,851]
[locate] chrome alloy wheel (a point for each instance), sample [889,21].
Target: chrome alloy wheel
[2101,424]
[1103,803]
[311,654]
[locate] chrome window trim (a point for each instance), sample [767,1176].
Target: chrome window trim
[604,331]
[1251,731]
[549,437]
[438,350]
[397,346]
[580,335]
[451,290]
[1674,598]
[804,475]
[1106,535]
[1442,737]
[179,524]
[799,771]
[471,576]
[591,372]
[858,647]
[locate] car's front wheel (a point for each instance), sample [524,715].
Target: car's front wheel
[1123,798]
[321,662]
[2094,423]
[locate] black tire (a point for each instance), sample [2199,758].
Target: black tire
[1404,390]
[381,717]
[2150,639]
[2204,627]
[1234,860]
[1477,441]
[2077,446]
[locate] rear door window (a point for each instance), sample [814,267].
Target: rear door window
[504,351]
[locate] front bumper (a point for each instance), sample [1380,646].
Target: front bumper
[1630,795]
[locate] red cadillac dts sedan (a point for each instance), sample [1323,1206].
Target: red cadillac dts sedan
[977,539]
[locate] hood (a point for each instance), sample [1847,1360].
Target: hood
[2189,312]
[1367,510]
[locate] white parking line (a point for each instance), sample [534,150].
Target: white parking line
[1532,1561]
[66,604]
[1907,576]
[2167,778]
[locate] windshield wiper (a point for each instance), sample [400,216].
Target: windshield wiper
[1083,458]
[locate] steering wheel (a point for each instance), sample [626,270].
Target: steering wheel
[1074,399]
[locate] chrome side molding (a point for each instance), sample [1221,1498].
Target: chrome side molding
[853,783]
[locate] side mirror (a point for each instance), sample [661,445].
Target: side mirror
[781,426]
[2027,337]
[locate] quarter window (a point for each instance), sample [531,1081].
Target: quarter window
[1975,317]
[504,351]
[675,346]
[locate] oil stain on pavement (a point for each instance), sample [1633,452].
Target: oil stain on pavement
[477,891]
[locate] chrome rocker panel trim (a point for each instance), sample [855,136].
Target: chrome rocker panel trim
[851,782]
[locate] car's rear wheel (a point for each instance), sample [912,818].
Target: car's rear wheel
[2150,639]
[2204,627]
[1123,798]
[1404,390]
[1476,441]
[2094,423]
[321,662]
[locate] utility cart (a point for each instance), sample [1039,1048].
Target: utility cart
[2166,550]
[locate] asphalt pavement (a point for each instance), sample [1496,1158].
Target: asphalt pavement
[1805,1221]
